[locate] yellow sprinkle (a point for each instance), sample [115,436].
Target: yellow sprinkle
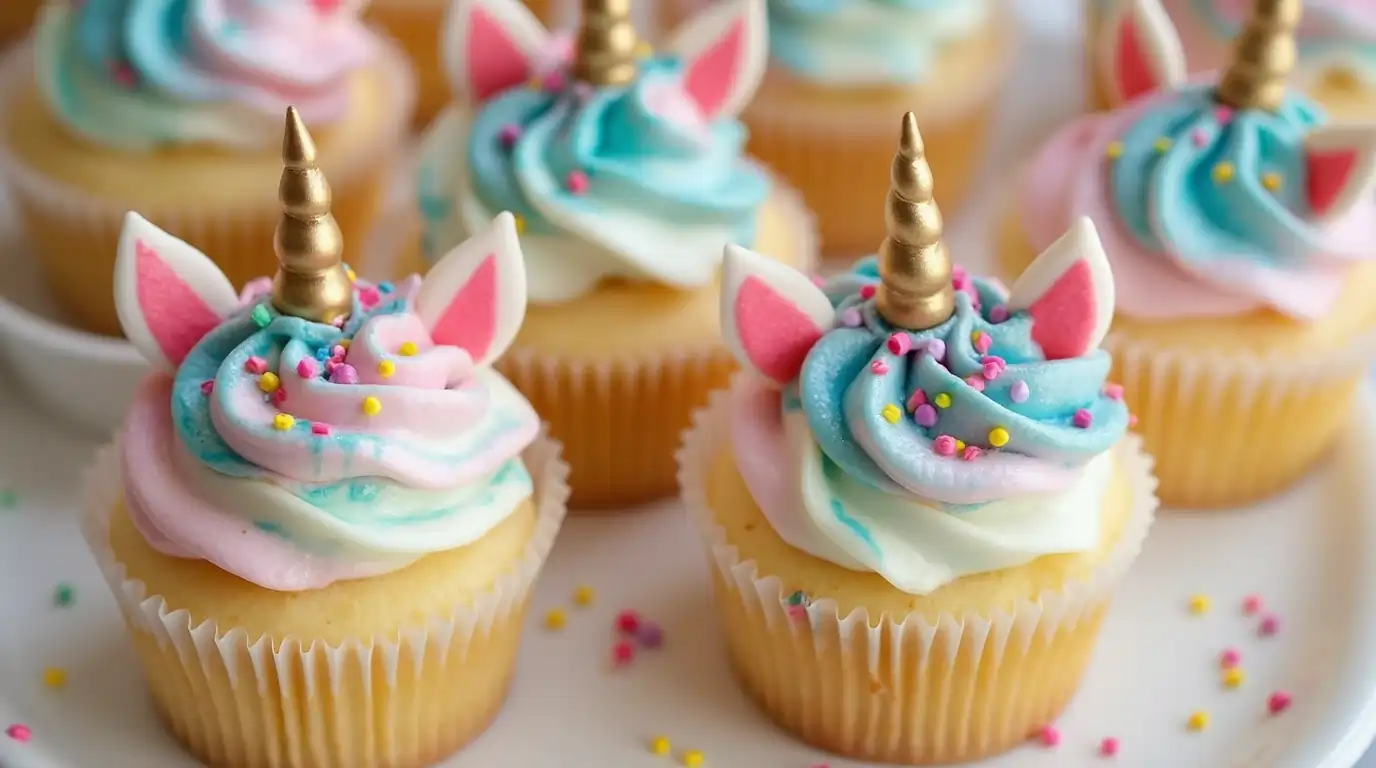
[942,400]
[644,49]
[974,336]
[1223,173]
[1162,144]
[1199,605]
[1272,181]
[55,677]
[536,83]
[372,406]
[891,413]
[351,273]
[1199,720]
[1233,678]
[520,224]
[407,349]
[998,437]
[554,619]
[1115,150]
[692,758]
[269,382]
[283,422]
[386,368]
[584,595]
[660,745]
[960,446]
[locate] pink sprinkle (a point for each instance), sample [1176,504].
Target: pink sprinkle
[1050,736]
[622,653]
[850,317]
[944,445]
[1251,605]
[866,292]
[797,612]
[339,351]
[819,281]
[959,272]
[1019,392]
[123,74]
[338,322]
[918,398]
[971,453]
[1113,391]
[1270,625]
[627,621]
[1083,419]
[344,374]
[900,344]
[1223,114]
[554,82]
[255,365]
[1199,137]
[976,383]
[936,348]
[509,135]
[577,182]
[330,366]
[879,367]
[992,370]
[19,732]
[369,296]
[983,342]
[1278,702]
[998,313]
[925,415]
[650,635]
[1132,419]
[306,368]
[318,428]
[207,386]
[279,395]
[1230,658]
[1108,747]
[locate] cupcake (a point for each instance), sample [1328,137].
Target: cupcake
[417,25]
[919,497]
[838,74]
[1239,228]
[173,109]
[626,171]
[16,17]
[325,512]
[1336,47]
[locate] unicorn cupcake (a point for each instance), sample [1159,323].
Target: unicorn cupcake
[626,170]
[1236,219]
[920,495]
[325,512]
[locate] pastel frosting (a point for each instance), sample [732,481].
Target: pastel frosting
[1202,209]
[139,74]
[869,42]
[295,454]
[628,182]
[1332,33]
[926,456]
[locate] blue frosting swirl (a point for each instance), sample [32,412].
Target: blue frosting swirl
[850,408]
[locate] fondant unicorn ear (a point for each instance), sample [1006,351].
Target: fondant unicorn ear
[1140,49]
[724,50]
[771,314]
[1068,291]
[168,295]
[490,46]
[1340,163]
[475,296]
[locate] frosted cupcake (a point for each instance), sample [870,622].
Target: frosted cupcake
[324,515]
[627,174]
[1238,224]
[919,498]
[838,74]
[173,109]
[417,25]
[1336,46]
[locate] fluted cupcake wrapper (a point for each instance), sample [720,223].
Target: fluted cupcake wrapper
[904,689]
[402,701]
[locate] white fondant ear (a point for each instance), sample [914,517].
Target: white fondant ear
[724,49]
[1140,49]
[475,296]
[168,295]
[1340,163]
[771,314]
[490,46]
[1068,291]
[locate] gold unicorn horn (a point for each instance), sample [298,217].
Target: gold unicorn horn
[606,44]
[1264,54]
[914,266]
[311,281]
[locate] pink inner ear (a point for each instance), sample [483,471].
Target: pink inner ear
[1064,318]
[495,63]
[176,315]
[1329,174]
[1135,75]
[470,320]
[712,77]
[775,335]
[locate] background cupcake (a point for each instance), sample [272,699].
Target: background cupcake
[16,17]
[838,74]
[1238,224]
[627,172]
[920,499]
[173,109]
[322,519]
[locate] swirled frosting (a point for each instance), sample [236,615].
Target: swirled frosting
[138,74]
[863,42]
[1332,33]
[1201,209]
[930,455]
[613,182]
[296,454]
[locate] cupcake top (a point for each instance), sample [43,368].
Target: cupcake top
[1216,197]
[617,161]
[141,74]
[869,42]
[317,427]
[929,424]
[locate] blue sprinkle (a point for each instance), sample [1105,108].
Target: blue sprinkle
[261,316]
[322,354]
[385,286]
[268,527]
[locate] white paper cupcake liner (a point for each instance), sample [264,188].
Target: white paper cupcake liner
[903,688]
[296,681]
